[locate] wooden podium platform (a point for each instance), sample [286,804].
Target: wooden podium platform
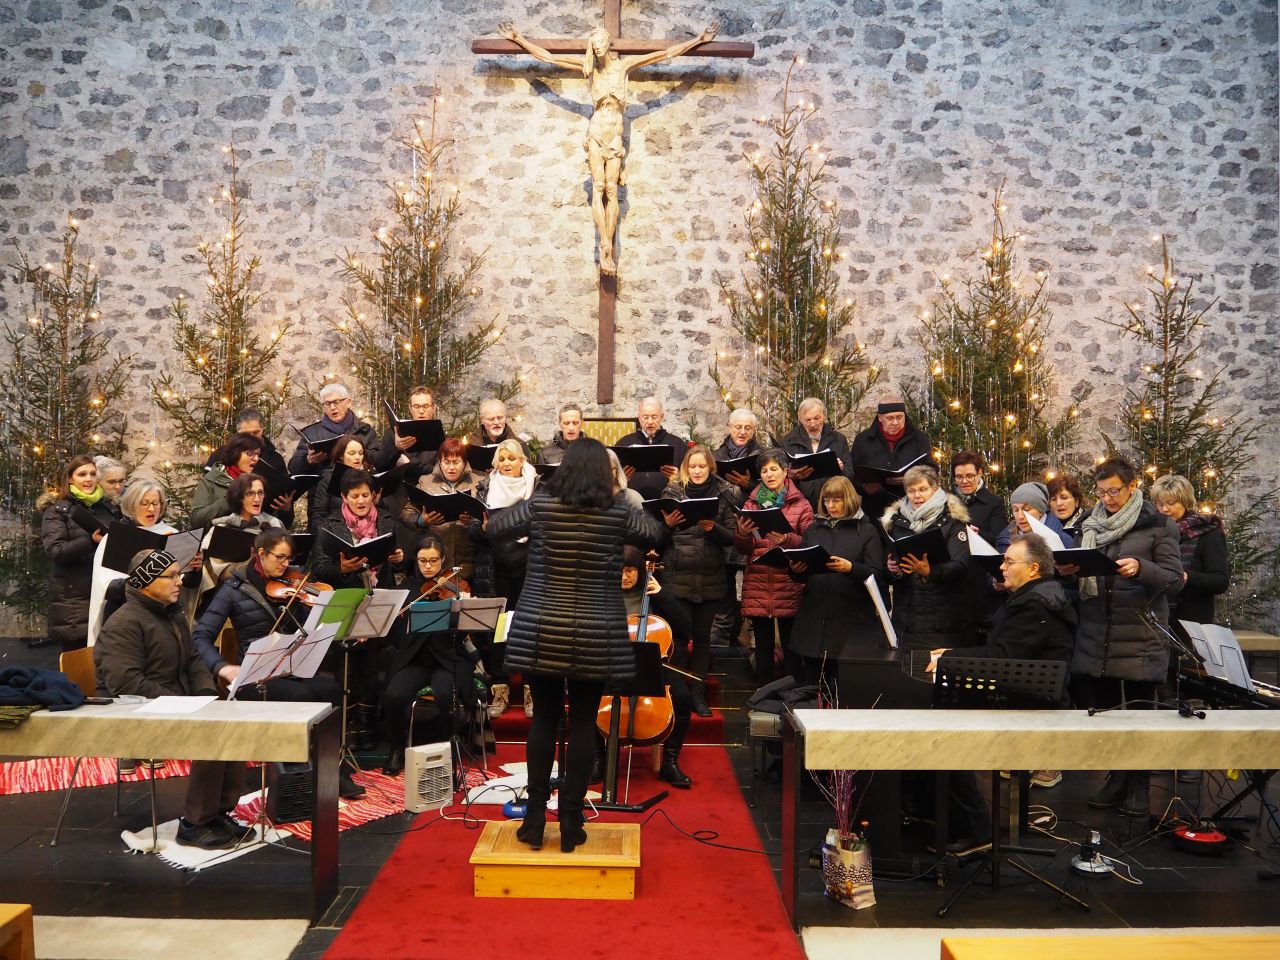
[604,868]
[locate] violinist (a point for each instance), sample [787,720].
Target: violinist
[423,659]
[664,604]
[245,599]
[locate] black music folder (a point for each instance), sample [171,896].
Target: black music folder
[480,456]
[646,458]
[868,474]
[230,544]
[87,520]
[449,505]
[931,543]
[694,508]
[1092,563]
[772,520]
[824,463]
[429,434]
[317,438]
[814,558]
[376,549]
[745,465]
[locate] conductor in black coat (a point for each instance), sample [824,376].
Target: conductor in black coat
[835,610]
[570,623]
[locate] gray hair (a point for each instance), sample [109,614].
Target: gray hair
[649,401]
[491,403]
[742,413]
[576,408]
[331,391]
[809,403]
[132,496]
[103,464]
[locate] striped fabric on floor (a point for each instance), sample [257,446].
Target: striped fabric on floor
[54,773]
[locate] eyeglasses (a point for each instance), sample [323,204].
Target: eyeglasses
[833,499]
[1006,562]
[335,403]
[169,576]
[421,407]
[150,503]
[256,494]
[1109,494]
[281,557]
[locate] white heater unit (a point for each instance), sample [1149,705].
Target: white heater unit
[428,777]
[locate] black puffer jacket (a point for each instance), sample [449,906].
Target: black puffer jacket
[870,449]
[571,620]
[693,565]
[1113,639]
[934,611]
[145,650]
[1208,573]
[70,550]
[835,609]
[241,599]
[797,442]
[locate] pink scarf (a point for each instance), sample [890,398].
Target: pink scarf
[362,528]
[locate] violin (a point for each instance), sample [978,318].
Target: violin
[438,588]
[642,721]
[291,587]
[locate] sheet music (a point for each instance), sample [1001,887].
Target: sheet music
[184,545]
[1044,533]
[377,613]
[978,547]
[261,660]
[174,706]
[877,598]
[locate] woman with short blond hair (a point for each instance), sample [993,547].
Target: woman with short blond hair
[1206,563]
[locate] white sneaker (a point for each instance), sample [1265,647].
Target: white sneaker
[501,699]
[528,702]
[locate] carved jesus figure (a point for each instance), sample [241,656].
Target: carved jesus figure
[607,75]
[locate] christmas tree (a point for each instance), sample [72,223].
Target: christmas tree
[226,363]
[1172,422]
[988,385]
[405,318]
[796,329]
[61,385]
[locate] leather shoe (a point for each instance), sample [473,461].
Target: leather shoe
[534,825]
[1113,791]
[395,762]
[699,699]
[670,772]
[235,827]
[207,836]
[348,789]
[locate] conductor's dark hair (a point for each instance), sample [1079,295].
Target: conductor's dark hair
[1117,467]
[1038,551]
[239,489]
[355,478]
[239,444]
[585,475]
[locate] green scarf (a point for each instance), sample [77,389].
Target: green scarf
[767,498]
[88,499]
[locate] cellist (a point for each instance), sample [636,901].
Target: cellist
[663,604]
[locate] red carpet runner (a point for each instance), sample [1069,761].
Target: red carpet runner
[692,900]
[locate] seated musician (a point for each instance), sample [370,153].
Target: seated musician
[424,659]
[663,604]
[452,474]
[248,602]
[357,520]
[395,449]
[570,430]
[145,649]
[1037,621]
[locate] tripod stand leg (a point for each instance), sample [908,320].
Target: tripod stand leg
[1047,883]
[968,882]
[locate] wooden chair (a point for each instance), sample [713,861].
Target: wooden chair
[79,668]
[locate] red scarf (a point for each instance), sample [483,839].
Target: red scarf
[892,438]
[234,472]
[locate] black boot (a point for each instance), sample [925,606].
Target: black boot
[670,771]
[573,831]
[535,822]
[395,761]
[366,739]
[1113,791]
[1137,798]
[699,697]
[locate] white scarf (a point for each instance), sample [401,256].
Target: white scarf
[922,517]
[507,491]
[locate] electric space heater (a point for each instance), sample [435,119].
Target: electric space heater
[428,777]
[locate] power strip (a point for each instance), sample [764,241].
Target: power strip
[1098,865]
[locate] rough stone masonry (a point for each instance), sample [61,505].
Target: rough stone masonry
[1112,120]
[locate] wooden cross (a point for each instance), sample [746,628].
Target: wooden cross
[608,281]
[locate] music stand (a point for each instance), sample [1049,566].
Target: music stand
[436,616]
[990,683]
[648,682]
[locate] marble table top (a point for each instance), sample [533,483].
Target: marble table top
[222,730]
[1038,740]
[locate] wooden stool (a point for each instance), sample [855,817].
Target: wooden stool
[1185,947]
[17,933]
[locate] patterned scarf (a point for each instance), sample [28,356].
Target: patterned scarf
[362,528]
[922,518]
[1191,527]
[767,498]
[1101,528]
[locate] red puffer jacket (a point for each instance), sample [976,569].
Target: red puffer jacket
[769,591]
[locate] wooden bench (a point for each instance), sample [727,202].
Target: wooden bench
[1137,947]
[17,933]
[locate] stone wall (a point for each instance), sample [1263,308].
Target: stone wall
[1110,119]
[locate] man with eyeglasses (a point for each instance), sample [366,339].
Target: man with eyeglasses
[422,406]
[337,419]
[1119,658]
[145,649]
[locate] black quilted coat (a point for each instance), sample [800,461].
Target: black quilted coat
[570,620]
[70,550]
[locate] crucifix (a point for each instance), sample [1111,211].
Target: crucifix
[605,60]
